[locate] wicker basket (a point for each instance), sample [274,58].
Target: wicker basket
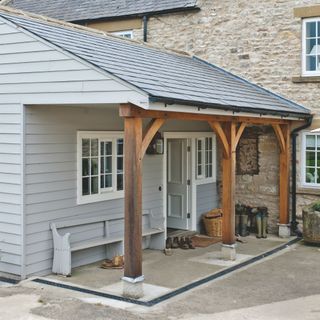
[213,222]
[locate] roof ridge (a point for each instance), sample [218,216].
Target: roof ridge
[73,26]
[278,96]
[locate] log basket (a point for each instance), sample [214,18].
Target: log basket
[213,222]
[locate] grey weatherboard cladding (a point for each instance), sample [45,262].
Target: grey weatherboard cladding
[164,76]
[79,10]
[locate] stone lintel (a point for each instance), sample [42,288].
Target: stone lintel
[307,12]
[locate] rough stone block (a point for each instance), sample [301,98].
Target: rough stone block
[228,252]
[284,230]
[133,288]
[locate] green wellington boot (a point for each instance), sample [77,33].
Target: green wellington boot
[264,226]
[243,225]
[259,225]
[237,222]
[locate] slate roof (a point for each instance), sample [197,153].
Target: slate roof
[164,76]
[79,10]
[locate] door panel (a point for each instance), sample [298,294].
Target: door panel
[177,187]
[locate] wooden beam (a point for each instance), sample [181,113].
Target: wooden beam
[279,134]
[216,127]
[128,110]
[284,177]
[228,187]
[239,133]
[133,197]
[151,130]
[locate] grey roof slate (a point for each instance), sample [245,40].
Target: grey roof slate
[162,75]
[77,10]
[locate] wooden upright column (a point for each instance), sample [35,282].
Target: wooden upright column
[133,197]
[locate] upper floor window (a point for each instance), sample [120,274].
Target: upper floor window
[311,159]
[124,34]
[100,166]
[311,46]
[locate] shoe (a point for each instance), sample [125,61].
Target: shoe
[169,243]
[183,244]
[189,243]
[175,243]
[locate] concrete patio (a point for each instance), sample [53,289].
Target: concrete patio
[163,274]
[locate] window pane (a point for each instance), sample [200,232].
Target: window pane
[318,29]
[85,167]
[311,47]
[318,175]
[199,170]
[119,182]
[94,185]
[120,165]
[120,146]
[94,147]
[311,142]
[85,186]
[311,29]
[310,175]
[318,159]
[108,163]
[108,181]
[311,63]
[108,148]
[101,148]
[199,158]
[102,181]
[310,159]
[102,165]
[85,147]
[94,166]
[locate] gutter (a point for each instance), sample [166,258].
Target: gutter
[294,135]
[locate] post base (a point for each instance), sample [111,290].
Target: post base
[228,252]
[133,287]
[284,230]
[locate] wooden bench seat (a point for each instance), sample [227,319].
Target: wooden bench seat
[153,237]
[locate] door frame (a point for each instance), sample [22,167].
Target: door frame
[192,223]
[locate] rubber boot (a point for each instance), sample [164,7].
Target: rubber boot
[259,226]
[243,225]
[264,226]
[237,222]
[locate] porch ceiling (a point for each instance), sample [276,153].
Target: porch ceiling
[165,76]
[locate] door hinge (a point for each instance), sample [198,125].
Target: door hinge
[188,215]
[188,182]
[188,148]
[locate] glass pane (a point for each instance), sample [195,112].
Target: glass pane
[199,170]
[119,182]
[108,148]
[310,175]
[101,148]
[310,159]
[108,165]
[120,165]
[94,147]
[108,181]
[199,157]
[102,181]
[120,147]
[94,166]
[102,165]
[311,63]
[94,185]
[311,29]
[85,186]
[199,145]
[311,46]
[318,159]
[318,29]
[85,147]
[311,142]
[85,167]
[318,175]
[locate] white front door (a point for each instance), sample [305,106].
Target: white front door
[178,183]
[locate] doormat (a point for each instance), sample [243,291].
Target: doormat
[204,241]
[175,292]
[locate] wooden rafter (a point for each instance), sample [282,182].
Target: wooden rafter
[151,130]
[128,110]
[216,127]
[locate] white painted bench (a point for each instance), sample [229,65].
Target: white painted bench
[153,238]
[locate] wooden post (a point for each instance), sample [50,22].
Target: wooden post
[228,186]
[133,198]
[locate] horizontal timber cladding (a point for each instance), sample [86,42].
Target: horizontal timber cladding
[10,188]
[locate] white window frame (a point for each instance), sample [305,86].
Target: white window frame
[124,34]
[304,183]
[305,72]
[202,177]
[107,193]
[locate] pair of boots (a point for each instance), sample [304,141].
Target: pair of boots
[262,222]
[182,243]
[241,224]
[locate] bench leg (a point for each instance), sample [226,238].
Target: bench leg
[61,254]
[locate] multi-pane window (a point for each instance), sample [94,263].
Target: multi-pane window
[312,159]
[311,46]
[100,166]
[204,158]
[124,34]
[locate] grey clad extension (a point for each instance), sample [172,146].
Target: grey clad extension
[63,84]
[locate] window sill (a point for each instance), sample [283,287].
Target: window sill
[306,79]
[312,190]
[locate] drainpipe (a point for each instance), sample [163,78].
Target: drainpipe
[294,135]
[145,28]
